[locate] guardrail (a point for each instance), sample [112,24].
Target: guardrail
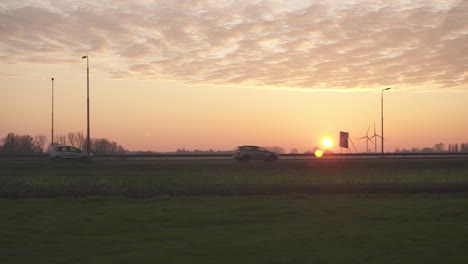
[44,156]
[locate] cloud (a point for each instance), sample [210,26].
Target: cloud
[5,74]
[327,44]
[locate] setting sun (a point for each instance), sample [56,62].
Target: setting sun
[327,142]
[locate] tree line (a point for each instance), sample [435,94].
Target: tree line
[27,144]
[439,147]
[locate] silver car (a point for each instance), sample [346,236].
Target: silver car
[61,152]
[246,153]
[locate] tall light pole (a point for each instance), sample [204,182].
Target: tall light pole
[381,100]
[52,137]
[87,103]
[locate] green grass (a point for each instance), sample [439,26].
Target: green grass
[165,177]
[251,229]
[381,211]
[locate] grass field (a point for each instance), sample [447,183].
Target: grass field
[224,177]
[249,229]
[322,211]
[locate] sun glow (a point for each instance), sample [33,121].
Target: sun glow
[318,153]
[327,142]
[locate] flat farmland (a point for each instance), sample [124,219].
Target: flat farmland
[320,211]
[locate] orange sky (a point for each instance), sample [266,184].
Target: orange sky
[215,74]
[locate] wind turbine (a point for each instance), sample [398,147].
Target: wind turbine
[375,136]
[367,138]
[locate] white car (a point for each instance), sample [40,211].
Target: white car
[61,152]
[246,153]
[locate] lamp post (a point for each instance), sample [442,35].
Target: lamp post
[381,100]
[87,103]
[52,136]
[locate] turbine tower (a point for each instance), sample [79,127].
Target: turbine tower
[367,138]
[375,136]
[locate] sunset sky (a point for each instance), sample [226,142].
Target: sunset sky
[209,74]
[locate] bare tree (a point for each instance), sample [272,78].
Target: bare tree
[18,144]
[103,145]
[25,144]
[276,149]
[72,139]
[60,139]
[463,147]
[80,140]
[427,150]
[40,142]
[9,143]
[439,147]
[415,150]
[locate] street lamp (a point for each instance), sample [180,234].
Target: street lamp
[87,103]
[52,137]
[381,100]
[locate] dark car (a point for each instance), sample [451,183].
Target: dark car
[247,153]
